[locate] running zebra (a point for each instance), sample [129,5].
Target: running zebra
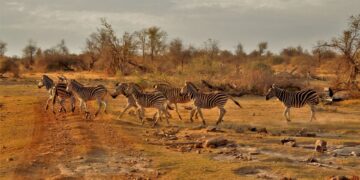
[294,99]
[121,88]
[88,93]
[53,89]
[206,101]
[173,95]
[148,100]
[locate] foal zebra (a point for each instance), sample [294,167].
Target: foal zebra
[148,100]
[206,101]
[121,88]
[294,99]
[54,89]
[173,95]
[88,93]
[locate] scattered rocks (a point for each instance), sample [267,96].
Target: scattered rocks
[291,142]
[343,178]
[320,146]
[215,142]
[262,130]
[304,133]
[356,154]
[311,160]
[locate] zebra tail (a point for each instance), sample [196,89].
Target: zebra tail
[237,103]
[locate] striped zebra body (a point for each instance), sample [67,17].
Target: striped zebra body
[53,88]
[173,95]
[206,101]
[296,99]
[88,93]
[149,100]
[122,88]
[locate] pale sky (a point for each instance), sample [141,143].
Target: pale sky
[281,23]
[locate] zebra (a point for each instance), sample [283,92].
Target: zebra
[206,101]
[53,89]
[295,99]
[148,100]
[121,88]
[173,95]
[88,93]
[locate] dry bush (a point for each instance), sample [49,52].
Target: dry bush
[256,78]
[60,63]
[8,65]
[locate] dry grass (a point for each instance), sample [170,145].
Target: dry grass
[338,127]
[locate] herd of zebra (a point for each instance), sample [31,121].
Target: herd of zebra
[162,97]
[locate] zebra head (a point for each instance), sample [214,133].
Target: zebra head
[271,92]
[46,81]
[189,89]
[120,89]
[70,85]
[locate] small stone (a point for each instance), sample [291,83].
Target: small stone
[320,146]
[211,129]
[215,142]
[10,159]
[311,160]
[198,151]
[339,178]
[353,153]
[262,130]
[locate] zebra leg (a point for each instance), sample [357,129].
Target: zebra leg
[177,111]
[221,115]
[198,110]
[128,106]
[192,114]
[139,112]
[72,104]
[99,103]
[166,117]
[105,106]
[312,113]
[81,104]
[158,117]
[47,103]
[285,113]
[62,101]
[87,113]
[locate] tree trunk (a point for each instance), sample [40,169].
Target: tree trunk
[352,83]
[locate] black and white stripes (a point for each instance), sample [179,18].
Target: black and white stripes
[294,99]
[88,93]
[206,101]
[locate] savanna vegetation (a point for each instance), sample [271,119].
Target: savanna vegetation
[149,52]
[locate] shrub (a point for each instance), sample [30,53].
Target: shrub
[8,65]
[275,60]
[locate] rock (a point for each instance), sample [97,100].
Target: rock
[303,133]
[262,130]
[320,146]
[211,129]
[339,178]
[287,140]
[215,142]
[252,129]
[353,153]
[10,159]
[311,160]
[290,144]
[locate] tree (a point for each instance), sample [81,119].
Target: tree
[176,50]
[141,37]
[156,41]
[240,56]
[29,52]
[211,48]
[2,48]
[348,44]
[262,47]
[61,48]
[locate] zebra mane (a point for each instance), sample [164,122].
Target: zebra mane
[192,85]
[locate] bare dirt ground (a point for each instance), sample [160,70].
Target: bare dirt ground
[35,144]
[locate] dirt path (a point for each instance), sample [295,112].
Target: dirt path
[70,147]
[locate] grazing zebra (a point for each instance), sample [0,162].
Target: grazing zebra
[294,99]
[53,89]
[148,100]
[173,95]
[121,88]
[206,101]
[88,93]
